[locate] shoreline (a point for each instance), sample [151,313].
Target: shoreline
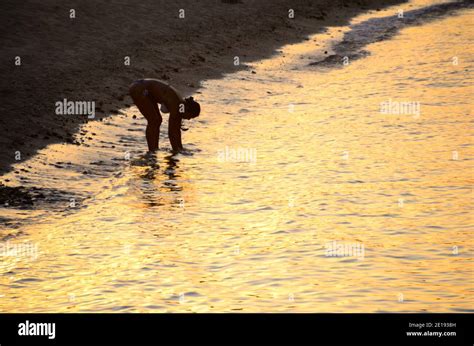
[83,58]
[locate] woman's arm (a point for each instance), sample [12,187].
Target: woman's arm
[174,131]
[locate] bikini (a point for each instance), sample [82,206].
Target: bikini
[146,93]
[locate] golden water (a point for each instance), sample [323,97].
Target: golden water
[202,232]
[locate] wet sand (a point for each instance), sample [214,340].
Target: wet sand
[82,58]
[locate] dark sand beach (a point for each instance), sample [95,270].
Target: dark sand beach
[82,58]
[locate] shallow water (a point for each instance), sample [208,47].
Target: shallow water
[283,163]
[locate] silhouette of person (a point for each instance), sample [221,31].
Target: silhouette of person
[146,94]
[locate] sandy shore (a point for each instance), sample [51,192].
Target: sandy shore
[83,58]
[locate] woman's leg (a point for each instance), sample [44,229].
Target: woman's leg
[152,115]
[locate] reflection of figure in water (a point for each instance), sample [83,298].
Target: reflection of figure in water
[172,164]
[152,193]
[153,168]
[146,94]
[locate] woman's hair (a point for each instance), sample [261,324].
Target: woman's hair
[192,108]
